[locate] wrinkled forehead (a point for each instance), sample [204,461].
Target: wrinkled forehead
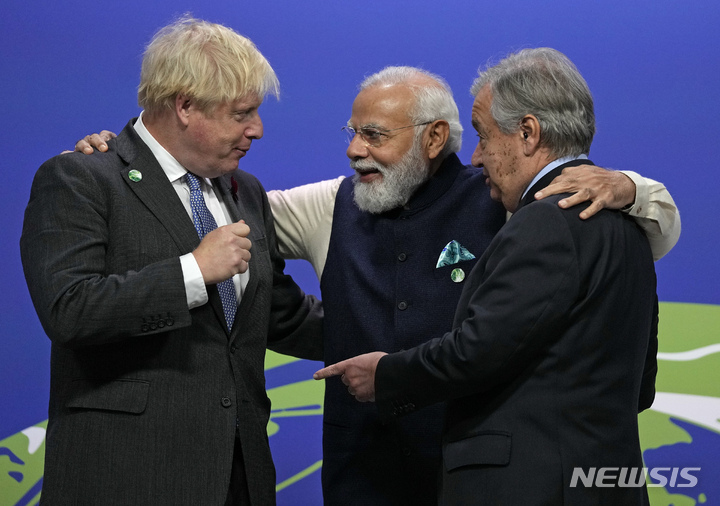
[382,106]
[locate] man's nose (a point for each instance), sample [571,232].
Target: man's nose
[357,148]
[476,158]
[255,129]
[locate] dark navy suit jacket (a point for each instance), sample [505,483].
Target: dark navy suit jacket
[551,356]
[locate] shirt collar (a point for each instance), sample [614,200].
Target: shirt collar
[550,166]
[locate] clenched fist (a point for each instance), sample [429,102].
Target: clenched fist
[224,252]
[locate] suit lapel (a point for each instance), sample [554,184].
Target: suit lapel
[227,190]
[158,195]
[155,190]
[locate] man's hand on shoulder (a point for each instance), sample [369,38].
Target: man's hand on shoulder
[96,141]
[604,188]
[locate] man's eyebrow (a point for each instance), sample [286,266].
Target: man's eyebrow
[244,110]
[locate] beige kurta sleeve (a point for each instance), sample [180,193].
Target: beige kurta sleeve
[303,221]
[655,211]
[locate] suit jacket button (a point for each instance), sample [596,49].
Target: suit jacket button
[402,306]
[233,348]
[402,257]
[226,402]
[169,321]
[144,327]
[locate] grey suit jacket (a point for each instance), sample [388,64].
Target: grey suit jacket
[146,394]
[550,359]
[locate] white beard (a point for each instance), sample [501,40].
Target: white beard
[398,183]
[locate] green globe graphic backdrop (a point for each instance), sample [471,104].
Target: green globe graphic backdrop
[682,429]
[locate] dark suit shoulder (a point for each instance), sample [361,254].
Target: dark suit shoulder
[543,217]
[607,233]
[571,214]
[76,164]
[77,176]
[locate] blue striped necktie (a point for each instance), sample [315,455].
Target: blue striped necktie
[204,224]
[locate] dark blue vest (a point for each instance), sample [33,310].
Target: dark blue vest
[382,291]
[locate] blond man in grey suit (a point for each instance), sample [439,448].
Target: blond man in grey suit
[157,389]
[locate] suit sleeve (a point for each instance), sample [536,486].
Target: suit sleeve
[295,318]
[64,248]
[512,309]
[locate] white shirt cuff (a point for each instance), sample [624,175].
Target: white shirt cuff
[194,283]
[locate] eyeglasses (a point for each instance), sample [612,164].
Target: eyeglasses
[374,137]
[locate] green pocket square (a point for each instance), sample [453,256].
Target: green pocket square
[453,253]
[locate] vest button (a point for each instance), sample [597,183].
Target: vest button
[402,257]
[402,306]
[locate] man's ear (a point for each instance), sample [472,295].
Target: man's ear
[530,134]
[183,104]
[437,135]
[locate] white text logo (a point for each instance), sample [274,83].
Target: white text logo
[634,476]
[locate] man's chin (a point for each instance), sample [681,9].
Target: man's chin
[368,199]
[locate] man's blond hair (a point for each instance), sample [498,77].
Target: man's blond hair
[208,62]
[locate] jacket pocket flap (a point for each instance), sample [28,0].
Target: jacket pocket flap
[120,395]
[480,449]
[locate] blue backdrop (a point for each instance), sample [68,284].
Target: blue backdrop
[71,68]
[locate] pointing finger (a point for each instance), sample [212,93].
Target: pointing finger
[330,371]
